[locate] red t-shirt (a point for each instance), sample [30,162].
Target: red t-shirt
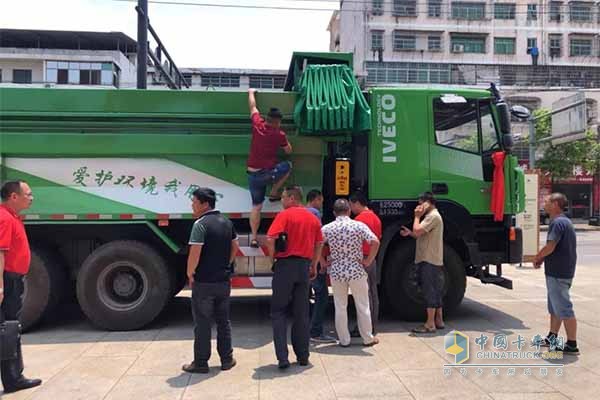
[303,230]
[266,140]
[13,242]
[370,219]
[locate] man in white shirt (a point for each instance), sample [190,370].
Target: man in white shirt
[345,238]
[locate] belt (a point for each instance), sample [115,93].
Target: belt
[293,258]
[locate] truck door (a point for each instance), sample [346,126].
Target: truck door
[463,135]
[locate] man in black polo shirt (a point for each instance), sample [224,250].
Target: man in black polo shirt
[213,246]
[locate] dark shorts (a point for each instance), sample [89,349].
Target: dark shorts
[259,180]
[431,280]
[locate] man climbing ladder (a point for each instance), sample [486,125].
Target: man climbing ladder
[263,167]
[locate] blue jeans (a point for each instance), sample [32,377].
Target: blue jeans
[259,180]
[319,285]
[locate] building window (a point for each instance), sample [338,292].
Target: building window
[434,43]
[555,11]
[187,78]
[504,45]
[267,82]
[504,11]
[531,42]
[472,11]
[405,8]
[464,44]
[403,42]
[376,40]
[531,12]
[81,73]
[21,76]
[377,7]
[555,45]
[434,8]
[218,80]
[581,12]
[398,72]
[580,47]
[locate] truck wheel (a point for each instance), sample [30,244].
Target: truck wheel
[401,286]
[123,285]
[45,286]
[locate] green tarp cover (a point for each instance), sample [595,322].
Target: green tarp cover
[330,101]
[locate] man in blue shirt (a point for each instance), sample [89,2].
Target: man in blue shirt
[560,257]
[314,204]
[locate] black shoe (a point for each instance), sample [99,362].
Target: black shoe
[355,333]
[570,350]
[283,364]
[303,362]
[194,368]
[22,384]
[226,366]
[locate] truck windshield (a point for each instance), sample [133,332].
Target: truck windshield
[458,125]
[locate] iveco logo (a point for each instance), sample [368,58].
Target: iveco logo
[388,128]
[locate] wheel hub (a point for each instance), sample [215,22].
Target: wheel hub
[122,286]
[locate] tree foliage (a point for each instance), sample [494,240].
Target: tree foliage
[562,159]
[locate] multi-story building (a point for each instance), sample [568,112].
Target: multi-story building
[78,59]
[225,78]
[48,58]
[473,42]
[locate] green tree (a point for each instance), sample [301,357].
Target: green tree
[561,159]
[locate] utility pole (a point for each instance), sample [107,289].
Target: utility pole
[142,45]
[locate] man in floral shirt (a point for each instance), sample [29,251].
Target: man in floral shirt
[345,238]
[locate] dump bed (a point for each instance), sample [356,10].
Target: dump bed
[105,154]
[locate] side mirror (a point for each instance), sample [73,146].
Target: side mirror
[508,141]
[504,117]
[520,112]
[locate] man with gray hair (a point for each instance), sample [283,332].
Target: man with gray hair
[560,257]
[345,238]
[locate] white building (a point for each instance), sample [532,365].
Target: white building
[66,58]
[104,59]
[471,42]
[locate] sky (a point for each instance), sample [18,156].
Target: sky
[199,37]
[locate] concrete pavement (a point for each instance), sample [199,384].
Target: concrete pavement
[77,361]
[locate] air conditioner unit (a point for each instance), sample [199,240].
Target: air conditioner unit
[458,48]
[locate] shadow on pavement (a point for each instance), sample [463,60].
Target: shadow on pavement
[355,349]
[268,372]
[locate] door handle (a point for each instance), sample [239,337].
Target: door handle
[439,188]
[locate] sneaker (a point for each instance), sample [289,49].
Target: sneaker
[544,342]
[283,364]
[373,343]
[323,339]
[570,350]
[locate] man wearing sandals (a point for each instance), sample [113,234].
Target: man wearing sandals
[263,166]
[428,230]
[345,238]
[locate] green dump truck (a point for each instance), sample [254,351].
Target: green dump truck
[113,171]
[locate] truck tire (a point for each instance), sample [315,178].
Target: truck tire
[401,287]
[45,286]
[123,285]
